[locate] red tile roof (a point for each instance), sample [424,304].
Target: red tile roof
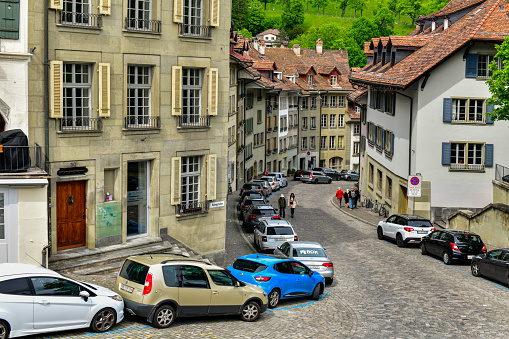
[357,94]
[367,50]
[452,7]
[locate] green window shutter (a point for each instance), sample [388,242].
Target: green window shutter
[9,19]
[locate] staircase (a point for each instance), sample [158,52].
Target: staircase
[107,260]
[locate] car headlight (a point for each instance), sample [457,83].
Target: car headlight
[116,297]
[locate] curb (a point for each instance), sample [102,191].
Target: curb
[351,215]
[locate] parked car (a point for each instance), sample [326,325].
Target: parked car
[280,177]
[269,234]
[310,253]
[279,278]
[335,175]
[162,287]
[252,186]
[35,300]
[493,265]
[267,188]
[453,245]
[248,201]
[404,228]
[349,175]
[315,177]
[252,194]
[257,213]
[273,182]
[297,175]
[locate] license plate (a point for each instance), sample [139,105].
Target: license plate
[314,267]
[280,239]
[126,288]
[470,257]
[422,232]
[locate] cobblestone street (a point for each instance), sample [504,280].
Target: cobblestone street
[379,290]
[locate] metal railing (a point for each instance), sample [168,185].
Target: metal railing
[194,31]
[472,167]
[501,173]
[193,207]
[136,123]
[20,158]
[194,121]
[268,152]
[72,125]
[304,127]
[143,25]
[80,19]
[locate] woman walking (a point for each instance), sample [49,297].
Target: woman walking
[346,196]
[292,203]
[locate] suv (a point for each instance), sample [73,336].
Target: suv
[404,228]
[272,181]
[298,174]
[162,287]
[315,177]
[248,201]
[453,245]
[257,213]
[280,177]
[349,175]
[269,234]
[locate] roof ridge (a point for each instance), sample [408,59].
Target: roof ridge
[484,19]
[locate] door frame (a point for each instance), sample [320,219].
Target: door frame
[140,235]
[11,223]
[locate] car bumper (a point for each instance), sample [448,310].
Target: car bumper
[462,256]
[264,307]
[135,308]
[271,245]
[306,179]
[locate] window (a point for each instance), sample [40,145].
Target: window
[193,277]
[333,100]
[483,65]
[192,24]
[312,142]
[281,124]
[139,15]
[76,98]
[310,79]
[258,94]
[356,129]
[341,120]
[304,144]
[325,101]
[341,142]
[304,123]
[378,136]
[332,142]
[341,101]
[17,286]
[475,110]
[313,103]
[259,116]
[55,286]
[304,103]
[333,80]
[371,173]
[9,19]
[76,12]
[379,180]
[191,95]
[249,100]
[467,156]
[390,100]
[138,95]
[190,181]
[324,120]
[389,188]
[313,122]
[221,278]
[323,142]
[356,148]
[333,120]
[170,275]
[335,162]
[249,126]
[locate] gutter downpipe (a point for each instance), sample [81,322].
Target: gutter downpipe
[409,139]
[46,124]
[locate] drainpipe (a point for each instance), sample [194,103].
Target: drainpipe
[46,120]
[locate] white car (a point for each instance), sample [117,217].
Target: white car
[404,228]
[274,183]
[35,300]
[270,234]
[280,177]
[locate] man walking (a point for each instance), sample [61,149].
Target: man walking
[339,196]
[282,205]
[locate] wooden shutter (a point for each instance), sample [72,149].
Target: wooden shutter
[471,67]
[104,90]
[446,153]
[178,11]
[176,90]
[488,155]
[9,19]
[447,110]
[214,13]
[56,82]
[175,180]
[105,7]
[213,90]
[56,4]
[211,176]
[489,109]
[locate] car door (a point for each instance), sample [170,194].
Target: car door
[431,244]
[57,303]
[259,231]
[490,263]
[286,280]
[17,303]
[442,244]
[304,283]
[226,296]
[194,293]
[389,225]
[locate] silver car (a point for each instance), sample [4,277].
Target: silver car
[269,234]
[273,182]
[312,254]
[280,177]
[267,188]
[315,177]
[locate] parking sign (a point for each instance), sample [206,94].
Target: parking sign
[414,186]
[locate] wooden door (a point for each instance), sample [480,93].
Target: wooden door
[71,214]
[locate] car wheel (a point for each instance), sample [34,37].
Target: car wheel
[250,311]
[330,180]
[316,181]
[164,316]
[423,249]
[380,233]
[274,296]
[329,281]
[476,271]
[446,258]
[103,320]
[347,178]
[316,293]
[399,241]
[4,330]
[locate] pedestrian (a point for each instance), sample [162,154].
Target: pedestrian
[282,205]
[292,203]
[357,196]
[339,196]
[353,198]
[346,196]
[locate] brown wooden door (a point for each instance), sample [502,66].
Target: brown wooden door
[71,217]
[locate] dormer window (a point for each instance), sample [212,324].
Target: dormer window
[333,80]
[310,79]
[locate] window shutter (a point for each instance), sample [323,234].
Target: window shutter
[489,109]
[176,90]
[214,13]
[211,176]
[382,138]
[178,11]
[446,153]
[383,102]
[105,7]
[175,180]
[56,89]
[374,133]
[56,4]
[9,19]
[393,103]
[447,110]
[213,90]
[488,155]
[104,90]
[392,143]
[471,67]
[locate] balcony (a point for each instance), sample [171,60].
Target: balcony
[142,123]
[194,121]
[194,31]
[143,25]
[73,125]
[80,19]
[190,208]
[14,159]
[268,152]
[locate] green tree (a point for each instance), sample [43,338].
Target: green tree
[239,13]
[293,14]
[273,22]
[357,5]
[295,32]
[319,3]
[384,20]
[412,8]
[255,21]
[397,7]
[433,6]
[363,30]
[246,34]
[498,84]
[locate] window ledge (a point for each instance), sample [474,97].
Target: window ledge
[79,134]
[129,131]
[370,186]
[388,154]
[142,34]
[467,170]
[379,148]
[191,216]
[460,122]
[79,28]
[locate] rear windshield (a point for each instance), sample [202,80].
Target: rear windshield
[419,223]
[306,173]
[134,272]
[308,252]
[248,266]
[263,212]
[279,231]
[469,239]
[251,187]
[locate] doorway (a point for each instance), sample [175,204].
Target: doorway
[71,214]
[138,193]
[403,200]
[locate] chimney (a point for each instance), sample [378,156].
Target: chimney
[261,48]
[296,49]
[433,25]
[319,44]
[446,23]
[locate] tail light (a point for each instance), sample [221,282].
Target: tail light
[311,175]
[266,188]
[148,284]
[328,264]
[483,248]
[262,278]
[264,239]
[252,216]
[454,247]
[409,229]
[301,175]
[244,207]
[432,230]
[276,217]
[227,270]
[295,238]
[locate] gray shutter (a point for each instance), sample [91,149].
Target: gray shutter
[488,155]
[9,19]
[374,133]
[489,109]
[446,153]
[392,143]
[471,66]
[394,104]
[383,102]
[447,109]
[383,139]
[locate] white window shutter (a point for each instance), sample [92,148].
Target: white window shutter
[211,176]
[214,13]
[105,7]
[104,90]
[175,180]
[56,82]
[213,90]
[178,11]
[176,90]
[56,4]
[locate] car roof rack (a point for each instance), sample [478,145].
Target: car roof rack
[184,258]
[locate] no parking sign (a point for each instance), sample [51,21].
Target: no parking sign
[414,186]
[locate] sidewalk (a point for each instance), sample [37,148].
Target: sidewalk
[360,213]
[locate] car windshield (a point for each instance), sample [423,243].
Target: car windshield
[419,223]
[469,238]
[279,230]
[308,252]
[248,266]
[134,272]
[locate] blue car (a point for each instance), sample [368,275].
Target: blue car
[279,278]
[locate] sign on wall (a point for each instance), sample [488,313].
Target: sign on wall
[414,186]
[109,219]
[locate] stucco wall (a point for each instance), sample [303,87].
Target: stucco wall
[32,224]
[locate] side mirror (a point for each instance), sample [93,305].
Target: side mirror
[311,273]
[85,295]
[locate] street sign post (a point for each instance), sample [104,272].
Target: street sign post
[414,186]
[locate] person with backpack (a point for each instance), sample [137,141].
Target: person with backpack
[353,196]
